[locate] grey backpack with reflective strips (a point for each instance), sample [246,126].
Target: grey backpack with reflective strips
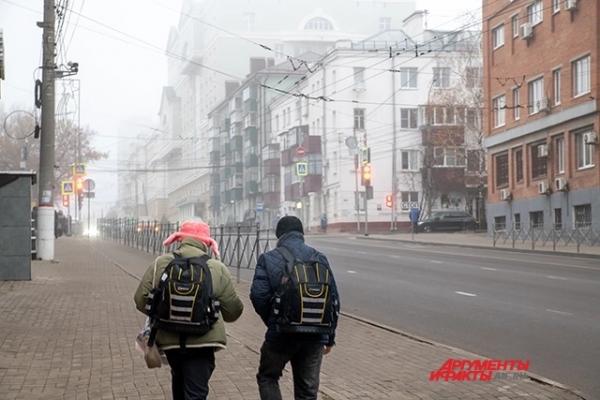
[183,301]
[303,302]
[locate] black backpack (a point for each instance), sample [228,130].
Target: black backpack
[303,302]
[183,300]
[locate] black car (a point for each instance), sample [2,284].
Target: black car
[447,221]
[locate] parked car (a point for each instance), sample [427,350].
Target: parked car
[447,221]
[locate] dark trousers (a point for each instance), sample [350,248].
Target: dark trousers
[306,366]
[190,372]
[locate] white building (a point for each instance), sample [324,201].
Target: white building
[376,94]
[223,35]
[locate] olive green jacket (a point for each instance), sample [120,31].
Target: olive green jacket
[223,290]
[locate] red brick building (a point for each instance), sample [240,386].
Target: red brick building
[541,119]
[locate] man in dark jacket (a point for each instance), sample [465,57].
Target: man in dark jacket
[304,351]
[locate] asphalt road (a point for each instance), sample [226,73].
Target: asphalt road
[498,304]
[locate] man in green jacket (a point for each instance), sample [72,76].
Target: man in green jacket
[192,365]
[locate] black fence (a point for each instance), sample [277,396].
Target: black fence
[537,236]
[239,245]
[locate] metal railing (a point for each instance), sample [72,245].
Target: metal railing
[537,236]
[240,246]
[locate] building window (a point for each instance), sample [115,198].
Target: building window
[519,165]
[500,223]
[501,170]
[408,118]
[558,218]
[499,106]
[536,219]
[583,216]
[539,160]
[449,156]
[474,160]
[555,6]
[516,104]
[409,160]
[408,78]
[498,37]
[359,77]
[385,23]
[441,77]
[473,79]
[581,76]
[318,24]
[517,222]
[584,151]
[535,12]
[409,200]
[359,118]
[556,84]
[560,155]
[514,22]
[535,95]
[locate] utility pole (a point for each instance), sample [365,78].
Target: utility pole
[45,215]
[393,226]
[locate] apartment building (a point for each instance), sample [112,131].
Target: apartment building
[541,117]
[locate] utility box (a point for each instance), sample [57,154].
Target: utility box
[15,225]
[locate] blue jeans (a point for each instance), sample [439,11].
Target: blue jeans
[306,366]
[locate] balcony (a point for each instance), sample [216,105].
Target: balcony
[250,105]
[237,143]
[215,157]
[251,134]
[252,187]
[236,116]
[271,167]
[251,161]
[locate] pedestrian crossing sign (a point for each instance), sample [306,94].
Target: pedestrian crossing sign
[67,187]
[302,168]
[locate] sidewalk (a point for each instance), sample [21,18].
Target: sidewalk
[69,334]
[481,240]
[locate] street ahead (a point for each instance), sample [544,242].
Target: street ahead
[499,304]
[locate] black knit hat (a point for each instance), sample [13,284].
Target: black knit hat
[287,224]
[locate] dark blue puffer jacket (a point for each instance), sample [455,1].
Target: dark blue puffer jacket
[267,277]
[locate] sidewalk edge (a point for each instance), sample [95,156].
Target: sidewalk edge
[534,377]
[472,246]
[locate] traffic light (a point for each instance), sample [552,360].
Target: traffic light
[389,201]
[80,199]
[65,200]
[79,184]
[366,175]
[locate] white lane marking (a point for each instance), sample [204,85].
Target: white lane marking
[361,252]
[488,269]
[466,294]
[351,272]
[437,262]
[560,278]
[395,256]
[488,257]
[558,312]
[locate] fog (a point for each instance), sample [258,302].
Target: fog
[122,68]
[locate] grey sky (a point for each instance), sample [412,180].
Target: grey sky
[121,79]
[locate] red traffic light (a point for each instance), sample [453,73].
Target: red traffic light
[65,200]
[389,201]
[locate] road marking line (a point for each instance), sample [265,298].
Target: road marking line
[489,269]
[558,312]
[351,272]
[466,294]
[560,278]
[395,256]
[437,262]
[361,252]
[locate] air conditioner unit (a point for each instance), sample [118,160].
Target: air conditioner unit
[542,150]
[591,138]
[543,187]
[545,104]
[570,5]
[560,184]
[526,31]
[505,195]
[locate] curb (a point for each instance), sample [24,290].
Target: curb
[472,246]
[534,377]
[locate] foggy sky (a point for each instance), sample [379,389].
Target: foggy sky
[122,79]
